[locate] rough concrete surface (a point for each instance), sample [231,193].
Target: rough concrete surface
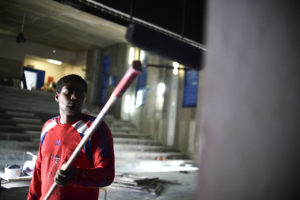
[183,188]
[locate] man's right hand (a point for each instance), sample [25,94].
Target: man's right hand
[63,177]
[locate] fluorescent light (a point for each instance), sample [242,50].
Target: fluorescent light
[54,62]
[142,55]
[139,98]
[131,55]
[127,104]
[175,70]
[132,100]
[161,87]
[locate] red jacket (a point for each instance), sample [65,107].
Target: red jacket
[94,166]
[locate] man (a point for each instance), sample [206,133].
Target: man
[94,166]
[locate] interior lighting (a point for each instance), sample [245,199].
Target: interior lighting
[175,70]
[161,87]
[131,55]
[142,55]
[127,104]
[56,62]
[139,98]
[132,102]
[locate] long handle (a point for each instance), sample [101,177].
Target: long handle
[124,83]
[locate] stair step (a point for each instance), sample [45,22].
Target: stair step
[124,135]
[7,121]
[119,124]
[19,146]
[140,165]
[124,129]
[33,132]
[20,113]
[30,126]
[27,120]
[32,106]
[34,135]
[22,105]
[10,128]
[14,136]
[142,148]
[150,155]
[36,140]
[3,115]
[134,141]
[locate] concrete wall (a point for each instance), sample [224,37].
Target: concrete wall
[95,62]
[118,54]
[187,119]
[118,66]
[17,51]
[94,66]
[56,71]
[250,108]
[167,122]
[34,54]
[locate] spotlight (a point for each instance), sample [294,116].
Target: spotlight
[20,38]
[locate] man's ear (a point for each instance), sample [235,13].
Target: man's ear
[83,102]
[84,98]
[56,96]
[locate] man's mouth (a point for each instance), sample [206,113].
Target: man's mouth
[71,104]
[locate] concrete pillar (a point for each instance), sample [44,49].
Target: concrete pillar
[94,75]
[118,66]
[251,101]
[172,104]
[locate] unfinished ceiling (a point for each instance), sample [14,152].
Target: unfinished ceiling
[57,25]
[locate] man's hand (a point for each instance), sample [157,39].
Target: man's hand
[63,177]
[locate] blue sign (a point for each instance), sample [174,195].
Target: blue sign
[190,93]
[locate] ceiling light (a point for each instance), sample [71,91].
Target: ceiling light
[54,62]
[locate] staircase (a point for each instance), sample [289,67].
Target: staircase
[22,114]
[136,151]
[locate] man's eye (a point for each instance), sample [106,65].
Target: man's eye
[66,92]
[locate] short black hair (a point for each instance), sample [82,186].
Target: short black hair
[70,78]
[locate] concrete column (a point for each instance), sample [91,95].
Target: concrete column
[172,109]
[94,75]
[251,101]
[118,66]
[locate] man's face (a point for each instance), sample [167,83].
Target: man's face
[71,98]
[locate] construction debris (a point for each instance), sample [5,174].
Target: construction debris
[153,186]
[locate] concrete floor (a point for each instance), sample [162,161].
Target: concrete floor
[184,189]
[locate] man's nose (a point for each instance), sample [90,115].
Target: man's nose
[73,96]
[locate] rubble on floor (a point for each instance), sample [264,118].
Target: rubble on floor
[137,183]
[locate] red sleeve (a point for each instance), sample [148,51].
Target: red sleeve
[35,185]
[103,172]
